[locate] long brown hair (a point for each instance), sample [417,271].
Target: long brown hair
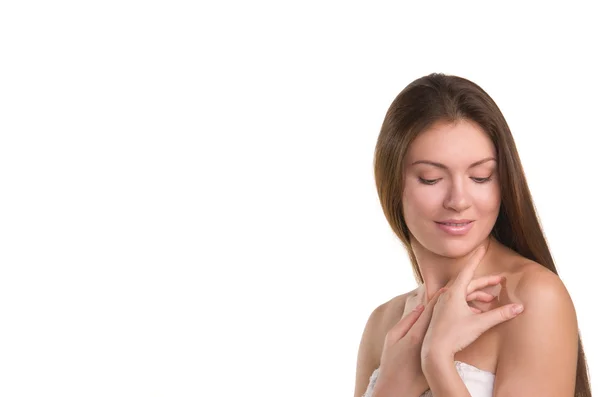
[439,97]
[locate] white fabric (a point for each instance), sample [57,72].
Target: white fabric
[480,383]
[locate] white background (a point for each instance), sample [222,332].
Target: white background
[187,202]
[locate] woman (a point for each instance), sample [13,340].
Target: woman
[490,315]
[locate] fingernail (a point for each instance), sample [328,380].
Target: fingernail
[516,309]
[418,308]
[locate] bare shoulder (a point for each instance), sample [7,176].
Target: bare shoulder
[544,297]
[381,319]
[538,348]
[393,310]
[537,286]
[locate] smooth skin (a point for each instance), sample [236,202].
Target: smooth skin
[403,343]
[532,354]
[450,173]
[400,368]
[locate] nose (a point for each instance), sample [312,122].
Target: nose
[457,198]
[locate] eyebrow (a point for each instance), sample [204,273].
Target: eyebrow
[442,166]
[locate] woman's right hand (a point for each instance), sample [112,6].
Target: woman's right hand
[400,368]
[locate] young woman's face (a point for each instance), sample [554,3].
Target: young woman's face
[451,192]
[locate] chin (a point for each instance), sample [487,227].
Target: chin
[454,248]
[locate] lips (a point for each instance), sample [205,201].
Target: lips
[455,223]
[455,227]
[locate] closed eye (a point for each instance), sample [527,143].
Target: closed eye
[434,181]
[428,181]
[482,180]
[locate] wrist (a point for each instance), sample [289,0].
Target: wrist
[435,361]
[396,386]
[387,390]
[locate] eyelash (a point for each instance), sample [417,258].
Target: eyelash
[434,181]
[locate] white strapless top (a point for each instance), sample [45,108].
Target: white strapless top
[480,383]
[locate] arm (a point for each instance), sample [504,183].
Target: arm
[393,345]
[538,351]
[453,327]
[368,356]
[444,379]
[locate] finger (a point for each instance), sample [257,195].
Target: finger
[487,320]
[466,275]
[475,310]
[480,296]
[485,281]
[400,329]
[420,327]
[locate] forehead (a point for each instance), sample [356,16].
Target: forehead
[453,144]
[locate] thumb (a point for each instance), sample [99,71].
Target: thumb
[487,320]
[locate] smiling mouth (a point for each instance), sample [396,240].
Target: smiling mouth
[454,224]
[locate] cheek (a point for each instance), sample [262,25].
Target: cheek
[488,200]
[421,203]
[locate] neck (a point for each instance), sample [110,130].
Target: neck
[437,270]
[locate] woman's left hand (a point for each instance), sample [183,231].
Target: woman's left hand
[454,325]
